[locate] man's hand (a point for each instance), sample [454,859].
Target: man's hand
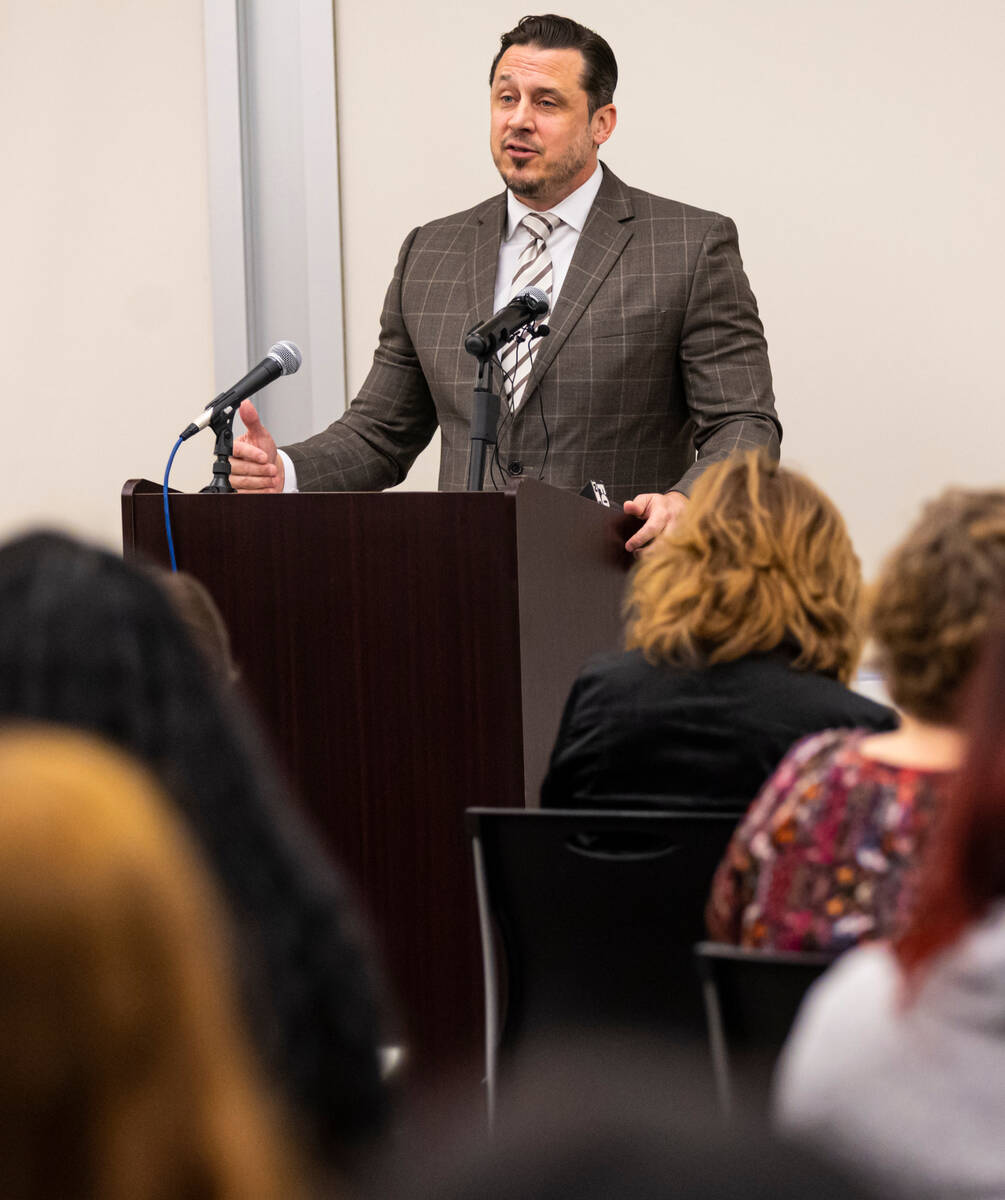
[255,465]
[659,510]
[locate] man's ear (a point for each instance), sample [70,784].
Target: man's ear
[602,123]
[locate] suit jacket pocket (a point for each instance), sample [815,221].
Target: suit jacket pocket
[634,324]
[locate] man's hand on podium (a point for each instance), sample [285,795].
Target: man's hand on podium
[255,466]
[659,510]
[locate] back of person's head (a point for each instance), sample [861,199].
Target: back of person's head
[964,869]
[124,1071]
[629,1159]
[591,1121]
[88,641]
[760,560]
[197,609]
[92,642]
[935,598]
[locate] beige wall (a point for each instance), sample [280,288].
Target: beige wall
[104,284]
[857,145]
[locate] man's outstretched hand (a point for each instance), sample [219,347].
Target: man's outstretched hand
[255,466]
[659,510]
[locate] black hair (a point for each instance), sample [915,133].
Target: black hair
[550,32]
[88,641]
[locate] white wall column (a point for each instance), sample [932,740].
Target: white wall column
[274,202]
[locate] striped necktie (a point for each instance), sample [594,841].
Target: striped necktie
[533,270]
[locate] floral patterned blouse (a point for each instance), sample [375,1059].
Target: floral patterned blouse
[825,856]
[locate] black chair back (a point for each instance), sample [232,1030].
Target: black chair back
[597,914]
[751,1001]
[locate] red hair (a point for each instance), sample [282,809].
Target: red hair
[964,870]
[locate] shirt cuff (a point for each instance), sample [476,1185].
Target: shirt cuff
[290,484]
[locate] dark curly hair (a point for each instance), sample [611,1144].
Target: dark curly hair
[88,641]
[963,872]
[549,32]
[935,598]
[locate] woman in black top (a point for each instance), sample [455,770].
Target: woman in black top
[743,631]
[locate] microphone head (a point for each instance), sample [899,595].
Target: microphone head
[537,302]
[288,355]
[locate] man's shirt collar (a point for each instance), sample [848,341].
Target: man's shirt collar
[573,210]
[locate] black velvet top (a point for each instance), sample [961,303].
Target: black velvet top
[643,736]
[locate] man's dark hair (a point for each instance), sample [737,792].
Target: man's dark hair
[600,69]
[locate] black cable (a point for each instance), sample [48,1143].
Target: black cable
[547,434]
[495,461]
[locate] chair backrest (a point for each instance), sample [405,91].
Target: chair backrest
[751,1001]
[598,913]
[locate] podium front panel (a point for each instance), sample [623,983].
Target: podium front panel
[396,647]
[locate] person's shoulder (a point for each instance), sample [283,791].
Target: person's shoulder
[850,1005]
[869,969]
[840,704]
[492,209]
[648,206]
[440,247]
[814,754]
[863,983]
[809,699]
[616,666]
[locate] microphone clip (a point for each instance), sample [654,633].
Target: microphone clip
[528,334]
[222,424]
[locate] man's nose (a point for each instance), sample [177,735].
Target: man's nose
[522,117]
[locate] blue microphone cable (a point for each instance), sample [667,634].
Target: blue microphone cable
[167,511]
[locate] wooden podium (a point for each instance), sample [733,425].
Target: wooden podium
[410,654]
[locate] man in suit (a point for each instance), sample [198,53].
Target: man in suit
[655,354]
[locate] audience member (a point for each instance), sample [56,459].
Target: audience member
[743,632]
[588,1122]
[126,1071]
[826,856]
[88,641]
[205,624]
[897,1061]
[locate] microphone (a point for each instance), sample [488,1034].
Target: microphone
[500,328]
[284,358]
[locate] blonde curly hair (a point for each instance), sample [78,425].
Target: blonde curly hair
[936,596]
[760,559]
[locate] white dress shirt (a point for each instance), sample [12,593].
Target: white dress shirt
[573,211]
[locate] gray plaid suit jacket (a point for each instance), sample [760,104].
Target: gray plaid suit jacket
[656,355]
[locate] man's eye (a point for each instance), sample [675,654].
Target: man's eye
[548,104]
[506,99]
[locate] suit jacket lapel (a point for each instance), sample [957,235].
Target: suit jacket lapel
[490,222]
[605,235]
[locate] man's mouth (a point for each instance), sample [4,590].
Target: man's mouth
[518,151]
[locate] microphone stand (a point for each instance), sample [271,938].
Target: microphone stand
[223,426]
[484,421]
[485,406]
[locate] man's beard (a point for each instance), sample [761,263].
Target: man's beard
[531,188]
[557,176]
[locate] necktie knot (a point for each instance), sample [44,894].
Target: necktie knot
[540,225]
